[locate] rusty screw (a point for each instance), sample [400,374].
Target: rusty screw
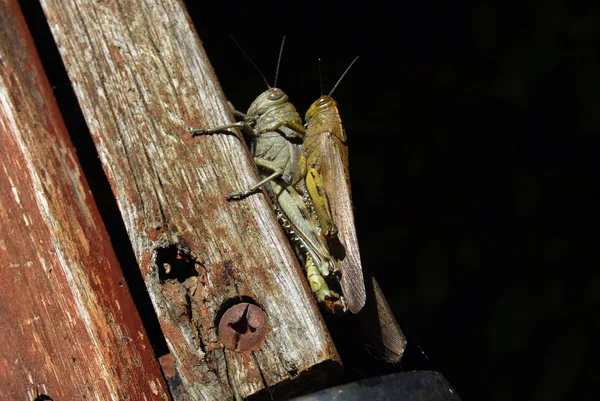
[243,327]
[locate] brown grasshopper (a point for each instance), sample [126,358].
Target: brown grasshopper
[276,133]
[324,165]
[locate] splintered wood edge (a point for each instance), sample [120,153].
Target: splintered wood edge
[142,78]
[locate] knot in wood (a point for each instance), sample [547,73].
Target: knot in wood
[243,327]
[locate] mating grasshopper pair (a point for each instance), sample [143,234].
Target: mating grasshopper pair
[305,171]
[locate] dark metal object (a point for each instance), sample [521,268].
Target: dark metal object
[405,386]
[243,327]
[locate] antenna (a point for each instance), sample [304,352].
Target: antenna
[343,75]
[320,77]
[279,62]
[250,60]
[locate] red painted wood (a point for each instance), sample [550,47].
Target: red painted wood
[68,326]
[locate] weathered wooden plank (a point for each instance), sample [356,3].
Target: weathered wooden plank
[68,326]
[142,78]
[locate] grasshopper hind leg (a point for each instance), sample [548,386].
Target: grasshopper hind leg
[326,296]
[254,188]
[320,203]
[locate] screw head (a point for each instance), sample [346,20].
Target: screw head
[243,327]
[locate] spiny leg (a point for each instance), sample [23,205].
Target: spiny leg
[302,221]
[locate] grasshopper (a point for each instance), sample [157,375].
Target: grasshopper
[275,130]
[324,165]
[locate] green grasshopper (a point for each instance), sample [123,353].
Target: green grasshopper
[276,133]
[324,166]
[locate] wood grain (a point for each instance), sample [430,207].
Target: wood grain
[68,325]
[142,78]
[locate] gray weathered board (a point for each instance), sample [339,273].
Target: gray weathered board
[142,78]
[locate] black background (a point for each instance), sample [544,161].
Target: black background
[471,128]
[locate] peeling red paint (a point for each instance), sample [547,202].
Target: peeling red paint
[116,55]
[167,363]
[154,233]
[67,287]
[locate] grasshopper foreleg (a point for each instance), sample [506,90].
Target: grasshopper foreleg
[243,125]
[239,114]
[292,125]
[236,112]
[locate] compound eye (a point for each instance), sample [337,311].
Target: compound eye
[276,95]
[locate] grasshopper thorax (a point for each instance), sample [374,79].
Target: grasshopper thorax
[270,98]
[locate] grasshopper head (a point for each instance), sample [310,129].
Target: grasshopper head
[320,106]
[269,98]
[323,116]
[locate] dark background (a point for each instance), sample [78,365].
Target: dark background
[471,129]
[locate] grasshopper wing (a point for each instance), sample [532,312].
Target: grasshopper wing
[333,166]
[381,326]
